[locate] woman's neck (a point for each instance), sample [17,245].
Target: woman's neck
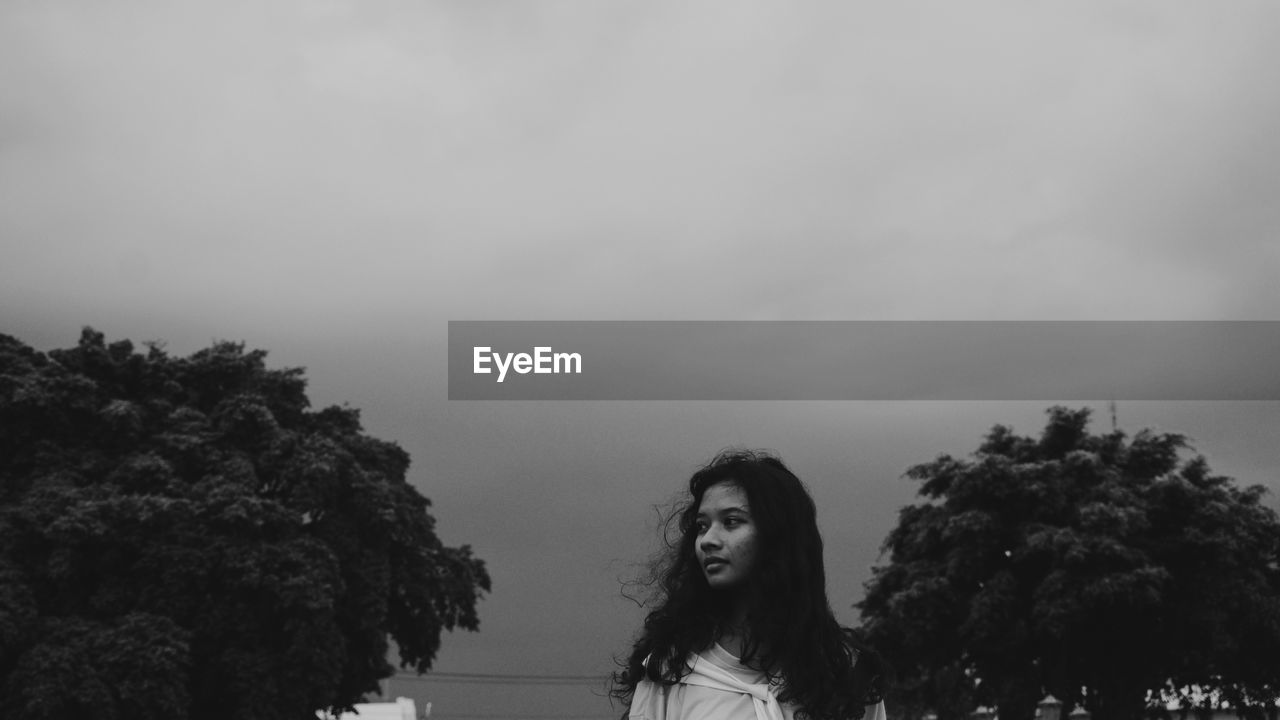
[733,639]
[732,633]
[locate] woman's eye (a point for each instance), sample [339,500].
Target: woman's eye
[732,522]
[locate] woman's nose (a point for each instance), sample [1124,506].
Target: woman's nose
[710,539]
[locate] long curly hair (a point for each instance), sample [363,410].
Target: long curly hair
[791,632]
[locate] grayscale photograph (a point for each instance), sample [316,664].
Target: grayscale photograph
[624,360]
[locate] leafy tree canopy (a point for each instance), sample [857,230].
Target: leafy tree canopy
[1111,572]
[185,538]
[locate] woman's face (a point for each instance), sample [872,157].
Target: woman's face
[726,536]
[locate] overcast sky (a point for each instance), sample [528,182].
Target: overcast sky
[333,181]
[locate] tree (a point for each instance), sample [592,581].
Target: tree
[1110,572]
[185,538]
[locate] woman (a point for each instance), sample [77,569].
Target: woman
[743,628]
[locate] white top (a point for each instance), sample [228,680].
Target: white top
[718,687]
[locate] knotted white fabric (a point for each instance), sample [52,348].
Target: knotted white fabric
[709,675]
[649,702]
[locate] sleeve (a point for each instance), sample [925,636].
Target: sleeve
[648,702]
[875,712]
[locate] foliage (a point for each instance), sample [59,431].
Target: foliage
[1101,569]
[185,538]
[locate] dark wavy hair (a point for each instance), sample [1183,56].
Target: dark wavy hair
[791,632]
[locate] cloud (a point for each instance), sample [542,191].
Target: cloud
[556,161]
